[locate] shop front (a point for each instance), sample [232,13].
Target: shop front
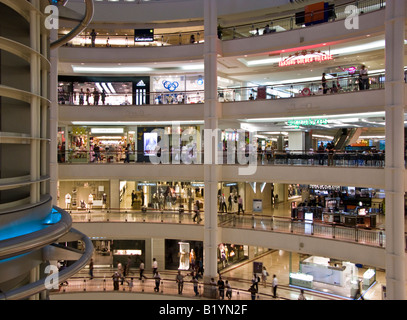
[109,253]
[231,254]
[331,276]
[83,195]
[183,254]
[115,91]
[177,89]
[171,143]
[347,206]
[97,144]
[161,195]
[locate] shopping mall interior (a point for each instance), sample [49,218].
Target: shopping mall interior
[247,141]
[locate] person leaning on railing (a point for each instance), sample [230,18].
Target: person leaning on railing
[330,149]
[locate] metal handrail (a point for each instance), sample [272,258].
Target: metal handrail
[35,240]
[40,285]
[79,28]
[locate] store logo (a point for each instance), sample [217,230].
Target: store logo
[52,20]
[170,86]
[352,17]
[185,149]
[141,84]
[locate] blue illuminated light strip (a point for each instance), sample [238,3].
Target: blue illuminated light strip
[21,229]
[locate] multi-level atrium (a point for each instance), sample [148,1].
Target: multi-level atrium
[213,139]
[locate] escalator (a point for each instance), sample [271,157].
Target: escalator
[345,137]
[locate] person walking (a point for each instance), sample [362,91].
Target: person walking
[301,295]
[157,278]
[324,84]
[253,292]
[93,37]
[264,275]
[228,290]
[155,266]
[195,282]
[91,269]
[180,281]
[141,269]
[197,215]
[321,154]
[116,277]
[274,285]
[239,204]
[221,287]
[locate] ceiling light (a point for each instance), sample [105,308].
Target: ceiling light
[134,123]
[193,67]
[80,69]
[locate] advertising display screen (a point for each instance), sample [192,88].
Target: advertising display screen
[150,143]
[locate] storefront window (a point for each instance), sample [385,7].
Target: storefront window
[176,89]
[229,254]
[110,253]
[83,195]
[330,275]
[97,91]
[183,254]
[161,195]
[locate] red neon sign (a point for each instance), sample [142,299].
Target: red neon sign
[305,59]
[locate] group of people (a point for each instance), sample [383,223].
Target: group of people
[330,150]
[254,288]
[85,96]
[363,81]
[219,289]
[232,199]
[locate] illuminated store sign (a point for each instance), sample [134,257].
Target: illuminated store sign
[107,130]
[143,35]
[305,57]
[307,122]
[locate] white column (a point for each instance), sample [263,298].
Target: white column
[53,120]
[44,117]
[296,141]
[212,170]
[394,169]
[35,103]
[114,193]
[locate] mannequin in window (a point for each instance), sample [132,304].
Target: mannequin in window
[104,199]
[68,201]
[90,201]
[192,258]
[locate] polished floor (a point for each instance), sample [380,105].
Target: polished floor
[277,262]
[239,276]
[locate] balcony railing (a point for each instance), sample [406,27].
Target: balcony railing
[368,236]
[280,24]
[375,237]
[289,22]
[132,284]
[264,158]
[287,90]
